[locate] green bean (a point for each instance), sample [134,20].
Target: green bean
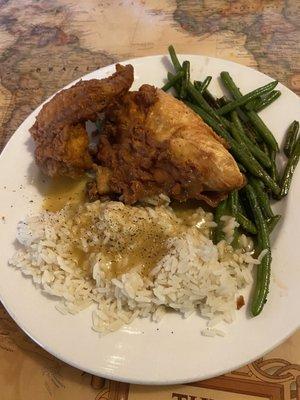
[230,85]
[185,80]
[261,102]
[273,170]
[264,269]
[258,154]
[272,222]
[220,211]
[172,81]
[177,85]
[247,98]
[262,128]
[238,123]
[237,136]
[222,101]
[262,197]
[251,133]
[253,166]
[207,96]
[251,105]
[198,85]
[289,170]
[244,206]
[264,148]
[245,223]
[256,121]
[291,138]
[267,100]
[241,168]
[241,217]
[245,158]
[238,132]
[205,84]
[248,146]
[227,124]
[198,98]
[233,202]
[210,99]
[217,126]
[174,58]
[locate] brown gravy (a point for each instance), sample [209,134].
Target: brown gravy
[144,249]
[58,192]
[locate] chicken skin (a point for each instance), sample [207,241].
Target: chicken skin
[59,130]
[150,143]
[153,143]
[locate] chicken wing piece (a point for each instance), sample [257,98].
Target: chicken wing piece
[59,129]
[153,143]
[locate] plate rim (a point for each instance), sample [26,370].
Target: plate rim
[113,375]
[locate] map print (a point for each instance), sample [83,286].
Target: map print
[45,45]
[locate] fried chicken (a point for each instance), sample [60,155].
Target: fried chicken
[59,130]
[152,143]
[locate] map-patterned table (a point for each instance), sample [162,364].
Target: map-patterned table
[46,44]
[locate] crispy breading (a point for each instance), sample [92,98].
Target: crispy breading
[59,129]
[153,143]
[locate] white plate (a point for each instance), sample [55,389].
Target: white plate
[172,351]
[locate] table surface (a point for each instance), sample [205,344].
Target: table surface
[46,44]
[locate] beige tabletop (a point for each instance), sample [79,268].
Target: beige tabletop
[46,44]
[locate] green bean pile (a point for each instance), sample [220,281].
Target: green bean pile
[254,147]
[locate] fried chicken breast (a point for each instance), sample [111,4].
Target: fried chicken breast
[152,143]
[59,129]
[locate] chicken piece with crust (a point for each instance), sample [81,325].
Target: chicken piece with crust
[153,143]
[59,129]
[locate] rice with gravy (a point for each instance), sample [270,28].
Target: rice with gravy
[134,261]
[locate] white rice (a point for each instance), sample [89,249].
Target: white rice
[192,274]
